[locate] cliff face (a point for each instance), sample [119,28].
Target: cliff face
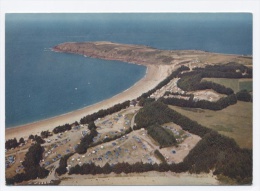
[127,53]
[145,55]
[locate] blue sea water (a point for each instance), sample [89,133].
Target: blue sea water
[41,83]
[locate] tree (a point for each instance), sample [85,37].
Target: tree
[21,141]
[11,143]
[92,125]
[38,139]
[45,134]
[244,95]
[31,137]
[33,156]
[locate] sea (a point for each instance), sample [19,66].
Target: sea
[40,83]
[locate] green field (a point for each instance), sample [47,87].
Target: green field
[234,121]
[246,84]
[234,84]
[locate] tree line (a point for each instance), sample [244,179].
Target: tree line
[125,167]
[104,112]
[11,143]
[62,128]
[159,113]
[191,81]
[203,104]
[213,152]
[45,134]
[229,70]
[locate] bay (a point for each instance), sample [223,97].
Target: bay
[41,83]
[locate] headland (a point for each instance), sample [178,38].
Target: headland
[159,63]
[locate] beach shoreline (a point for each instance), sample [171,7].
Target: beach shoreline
[154,75]
[159,63]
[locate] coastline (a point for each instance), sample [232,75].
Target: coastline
[157,70]
[154,75]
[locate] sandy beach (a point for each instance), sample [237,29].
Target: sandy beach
[154,75]
[153,59]
[141,179]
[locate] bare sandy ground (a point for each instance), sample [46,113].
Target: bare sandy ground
[141,179]
[154,75]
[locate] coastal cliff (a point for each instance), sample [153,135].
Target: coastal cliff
[144,55]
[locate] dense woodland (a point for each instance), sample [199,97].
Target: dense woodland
[160,135]
[159,113]
[229,70]
[32,168]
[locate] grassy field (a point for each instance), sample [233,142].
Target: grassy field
[234,84]
[246,84]
[234,121]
